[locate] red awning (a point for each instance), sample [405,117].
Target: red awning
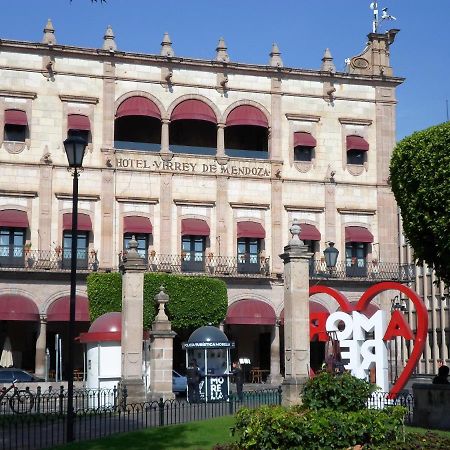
[309,232]
[138,106]
[250,312]
[78,122]
[314,308]
[358,234]
[59,310]
[17,307]
[193,110]
[194,227]
[84,222]
[137,224]
[13,218]
[304,139]
[15,117]
[249,229]
[247,115]
[357,143]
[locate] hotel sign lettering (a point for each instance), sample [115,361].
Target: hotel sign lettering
[261,170]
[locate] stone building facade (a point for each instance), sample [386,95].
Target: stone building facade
[206,162]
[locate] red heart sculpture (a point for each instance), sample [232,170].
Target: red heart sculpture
[363,302]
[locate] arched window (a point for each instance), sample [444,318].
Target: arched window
[138,125]
[193,128]
[246,133]
[357,240]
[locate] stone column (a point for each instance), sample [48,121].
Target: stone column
[220,139]
[161,352]
[133,268]
[41,344]
[275,375]
[296,316]
[165,151]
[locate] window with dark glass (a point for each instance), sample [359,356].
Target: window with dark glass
[142,240]
[82,249]
[12,241]
[248,251]
[193,253]
[356,258]
[356,157]
[17,133]
[85,134]
[302,153]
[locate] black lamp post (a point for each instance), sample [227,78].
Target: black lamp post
[331,254]
[397,305]
[75,148]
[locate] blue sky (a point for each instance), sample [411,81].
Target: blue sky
[302,29]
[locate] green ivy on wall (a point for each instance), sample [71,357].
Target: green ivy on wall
[194,301]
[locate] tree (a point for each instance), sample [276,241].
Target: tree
[420,180]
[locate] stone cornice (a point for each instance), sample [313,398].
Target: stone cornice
[78,99]
[359,212]
[206,203]
[307,209]
[151,201]
[354,121]
[81,197]
[18,94]
[141,58]
[249,205]
[302,117]
[21,194]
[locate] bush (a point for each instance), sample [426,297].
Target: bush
[279,427]
[339,392]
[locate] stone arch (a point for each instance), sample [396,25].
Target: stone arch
[199,97]
[150,97]
[247,103]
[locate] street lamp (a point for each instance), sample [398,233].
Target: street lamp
[397,304]
[331,254]
[75,147]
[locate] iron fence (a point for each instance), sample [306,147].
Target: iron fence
[47,429]
[381,400]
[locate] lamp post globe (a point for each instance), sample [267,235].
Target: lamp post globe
[331,255]
[75,147]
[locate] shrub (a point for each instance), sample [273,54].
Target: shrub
[339,392]
[278,427]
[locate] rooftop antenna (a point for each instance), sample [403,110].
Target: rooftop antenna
[376,22]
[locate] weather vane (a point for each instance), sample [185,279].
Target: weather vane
[376,18]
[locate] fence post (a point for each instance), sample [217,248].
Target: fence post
[61,400]
[124,398]
[280,391]
[230,404]
[115,397]
[38,399]
[161,412]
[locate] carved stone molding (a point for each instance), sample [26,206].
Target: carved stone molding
[356,169]
[303,166]
[354,121]
[15,147]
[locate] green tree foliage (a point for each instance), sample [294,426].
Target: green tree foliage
[194,301]
[420,179]
[339,392]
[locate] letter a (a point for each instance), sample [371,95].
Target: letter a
[398,327]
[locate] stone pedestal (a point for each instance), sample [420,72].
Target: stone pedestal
[132,323]
[296,317]
[161,353]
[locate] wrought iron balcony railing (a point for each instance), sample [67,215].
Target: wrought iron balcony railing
[47,260]
[369,271]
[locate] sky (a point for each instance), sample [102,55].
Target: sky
[302,29]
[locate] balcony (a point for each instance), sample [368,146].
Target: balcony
[374,271]
[48,260]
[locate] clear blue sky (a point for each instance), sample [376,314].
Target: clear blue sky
[302,29]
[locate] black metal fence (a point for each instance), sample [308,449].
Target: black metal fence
[45,426]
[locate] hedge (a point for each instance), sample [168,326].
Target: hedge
[193,301]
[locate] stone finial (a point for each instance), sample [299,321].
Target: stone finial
[295,230]
[131,259]
[166,46]
[162,298]
[49,34]
[327,62]
[108,40]
[275,56]
[221,49]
